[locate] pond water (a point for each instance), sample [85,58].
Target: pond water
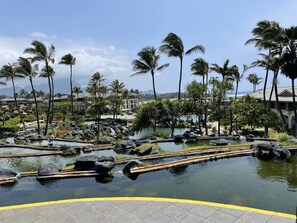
[146,133]
[55,142]
[246,181]
[25,164]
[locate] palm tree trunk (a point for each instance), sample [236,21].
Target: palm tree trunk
[180,77]
[36,106]
[236,90]
[279,108]
[53,95]
[98,128]
[153,79]
[254,88]
[205,107]
[71,91]
[49,105]
[16,103]
[265,85]
[294,106]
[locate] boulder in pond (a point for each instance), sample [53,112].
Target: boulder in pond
[125,145]
[105,158]
[106,140]
[145,151]
[178,138]
[5,173]
[270,151]
[46,169]
[219,142]
[103,167]
[86,162]
[250,138]
[131,164]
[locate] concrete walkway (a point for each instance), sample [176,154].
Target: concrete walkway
[132,209]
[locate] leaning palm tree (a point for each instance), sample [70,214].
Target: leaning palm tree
[238,77]
[40,53]
[173,46]
[76,90]
[9,72]
[29,70]
[68,59]
[201,68]
[255,80]
[148,63]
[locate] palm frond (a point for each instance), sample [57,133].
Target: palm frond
[162,67]
[198,48]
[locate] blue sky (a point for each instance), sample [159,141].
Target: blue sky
[106,35]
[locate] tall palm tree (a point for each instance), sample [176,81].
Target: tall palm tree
[201,68]
[173,46]
[227,73]
[68,59]
[117,87]
[9,72]
[262,40]
[255,80]
[77,90]
[40,53]
[29,70]
[238,76]
[148,62]
[289,64]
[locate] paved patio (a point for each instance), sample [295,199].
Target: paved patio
[150,210]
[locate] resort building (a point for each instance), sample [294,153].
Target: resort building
[285,98]
[130,104]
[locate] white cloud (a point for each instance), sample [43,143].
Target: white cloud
[90,56]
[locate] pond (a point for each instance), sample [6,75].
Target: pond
[26,164]
[247,181]
[55,142]
[147,132]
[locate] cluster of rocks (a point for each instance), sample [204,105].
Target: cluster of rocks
[101,164]
[140,147]
[270,151]
[219,142]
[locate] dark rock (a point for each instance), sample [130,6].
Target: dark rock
[125,145]
[131,164]
[178,138]
[191,140]
[106,140]
[4,173]
[86,162]
[106,158]
[103,167]
[145,151]
[219,142]
[270,151]
[250,138]
[49,168]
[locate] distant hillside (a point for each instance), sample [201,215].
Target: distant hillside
[61,86]
[171,95]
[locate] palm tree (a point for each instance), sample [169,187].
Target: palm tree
[254,80]
[148,63]
[95,83]
[238,76]
[117,88]
[41,54]
[29,70]
[289,64]
[76,90]
[173,46]
[9,72]
[227,74]
[262,40]
[68,59]
[201,68]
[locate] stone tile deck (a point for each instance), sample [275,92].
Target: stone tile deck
[132,210]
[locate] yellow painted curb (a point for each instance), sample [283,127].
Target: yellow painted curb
[172,200]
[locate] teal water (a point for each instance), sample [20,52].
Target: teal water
[247,181]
